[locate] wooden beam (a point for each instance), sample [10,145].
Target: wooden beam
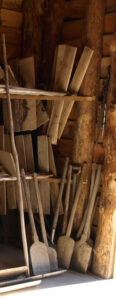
[105,46]
[11,4]
[13,37]
[76,9]
[52,26]
[11,18]
[84,135]
[23,93]
[104,258]
[73,29]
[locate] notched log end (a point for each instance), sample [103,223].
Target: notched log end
[113,43]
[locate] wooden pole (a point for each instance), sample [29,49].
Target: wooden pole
[103,259]
[15,156]
[86,112]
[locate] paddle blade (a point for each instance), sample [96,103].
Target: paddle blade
[65,247]
[39,258]
[53,259]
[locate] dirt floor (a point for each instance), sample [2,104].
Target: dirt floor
[70,284]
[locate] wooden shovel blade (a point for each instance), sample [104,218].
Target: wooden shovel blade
[65,247]
[53,259]
[39,258]
[81,257]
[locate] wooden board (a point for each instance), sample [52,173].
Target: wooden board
[13,51]
[65,149]
[19,140]
[76,9]
[3,184]
[11,18]
[11,4]
[10,186]
[32,114]
[43,166]
[54,187]
[75,85]
[41,114]
[73,29]
[13,37]
[105,62]
[30,168]
[63,65]
[26,69]
[28,115]
[29,153]
[105,47]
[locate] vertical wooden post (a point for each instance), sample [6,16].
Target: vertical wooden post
[32,29]
[103,259]
[86,112]
[52,25]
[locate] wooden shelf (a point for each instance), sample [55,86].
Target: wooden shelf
[46,178]
[36,94]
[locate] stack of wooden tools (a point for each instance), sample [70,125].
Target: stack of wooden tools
[40,192]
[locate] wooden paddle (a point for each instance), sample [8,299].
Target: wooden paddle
[83,251]
[38,251]
[80,230]
[51,252]
[55,220]
[65,244]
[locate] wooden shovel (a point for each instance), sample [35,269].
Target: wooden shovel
[51,252]
[38,251]
[55,220]
[67,198]
[80,230]
[15,156]
[65,244]
[82,251]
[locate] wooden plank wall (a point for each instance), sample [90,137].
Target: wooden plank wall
[11,18]
[72,34]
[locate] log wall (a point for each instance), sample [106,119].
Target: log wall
[11,19]
[72,30]
[74,13]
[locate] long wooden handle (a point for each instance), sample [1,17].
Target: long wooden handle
[41,215]
[31,218]
[78,192]
[15,155]
[67,198]
[80,230]
[55,220]
[91,204]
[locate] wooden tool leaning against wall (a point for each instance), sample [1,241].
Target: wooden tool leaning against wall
[82,253]
[81,228]
[65,244]
[15,156]
[55,219]
[38,251]
[51,251]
